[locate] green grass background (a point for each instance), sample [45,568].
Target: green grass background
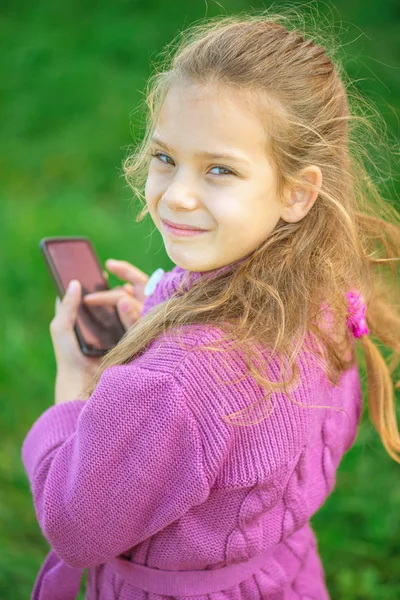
[72,73]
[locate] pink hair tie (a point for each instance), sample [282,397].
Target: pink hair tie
[356,319]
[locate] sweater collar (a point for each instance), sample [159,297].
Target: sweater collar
[169,283]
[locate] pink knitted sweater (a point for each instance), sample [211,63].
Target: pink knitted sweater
[146,487]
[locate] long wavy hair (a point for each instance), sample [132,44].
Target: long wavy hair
[349,239]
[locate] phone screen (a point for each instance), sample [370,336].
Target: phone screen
[99,327]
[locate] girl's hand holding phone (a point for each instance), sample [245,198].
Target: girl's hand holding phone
[74,369]
[127,299]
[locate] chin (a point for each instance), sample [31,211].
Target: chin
[190,265]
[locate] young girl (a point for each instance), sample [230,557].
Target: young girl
[190,460]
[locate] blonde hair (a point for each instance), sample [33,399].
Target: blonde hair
[273,298]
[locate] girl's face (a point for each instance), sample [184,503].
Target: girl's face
[231,196]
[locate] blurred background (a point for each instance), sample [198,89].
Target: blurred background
[72,76]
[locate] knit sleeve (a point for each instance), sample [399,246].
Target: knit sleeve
[133,465]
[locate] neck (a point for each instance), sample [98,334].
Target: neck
[192,276]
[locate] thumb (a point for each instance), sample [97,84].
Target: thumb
[70,303]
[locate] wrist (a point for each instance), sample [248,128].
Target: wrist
[68,386]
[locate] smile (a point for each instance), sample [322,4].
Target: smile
[175,231]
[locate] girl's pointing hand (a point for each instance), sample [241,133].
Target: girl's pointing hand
[74,369]
[128,299]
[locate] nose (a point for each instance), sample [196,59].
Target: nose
[180,193]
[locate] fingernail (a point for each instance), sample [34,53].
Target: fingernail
[125,306]
[72,286]
[111,262]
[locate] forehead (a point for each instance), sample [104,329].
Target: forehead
[215,119]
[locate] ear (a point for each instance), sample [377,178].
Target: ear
[301,199]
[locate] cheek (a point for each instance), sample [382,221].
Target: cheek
[228,212]
[241,220]
[153,190]
[235,205]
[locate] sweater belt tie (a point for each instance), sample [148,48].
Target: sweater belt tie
[204,581]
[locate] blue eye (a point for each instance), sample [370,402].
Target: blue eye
[223,169]
[158,155]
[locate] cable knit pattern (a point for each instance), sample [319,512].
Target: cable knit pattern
[146,469]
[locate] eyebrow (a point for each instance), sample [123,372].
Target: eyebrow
[212,155]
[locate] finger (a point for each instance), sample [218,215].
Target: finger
[129,310]
[112,298]
[67,310]
[100,296]
[107,298]
[124,270]
[129,288]
[62,325]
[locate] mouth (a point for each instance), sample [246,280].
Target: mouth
[182,231]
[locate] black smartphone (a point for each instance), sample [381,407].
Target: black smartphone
[97,328]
